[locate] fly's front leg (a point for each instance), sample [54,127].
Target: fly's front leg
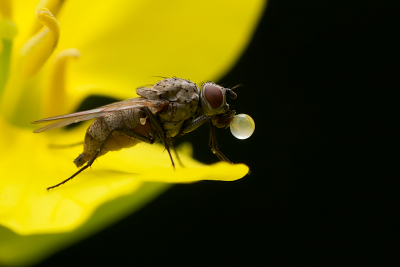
[214,145]
[196,123]
[157,126]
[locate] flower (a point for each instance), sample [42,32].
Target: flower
[118,48]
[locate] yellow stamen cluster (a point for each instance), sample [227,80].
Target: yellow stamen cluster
[30,60]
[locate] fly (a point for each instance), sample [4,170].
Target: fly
[169,109]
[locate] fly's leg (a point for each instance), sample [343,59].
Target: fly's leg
[90,162]
[214,145]
[157,126]
[65,146]
[196,123]
[176,154]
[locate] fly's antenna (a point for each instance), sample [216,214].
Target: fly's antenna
[237,86]
[231,93]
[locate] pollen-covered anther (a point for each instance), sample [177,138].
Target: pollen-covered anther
[47,19]
[53,5]
[38,49]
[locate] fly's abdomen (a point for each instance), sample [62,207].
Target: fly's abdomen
[99,130]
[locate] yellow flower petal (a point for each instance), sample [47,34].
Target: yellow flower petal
[24,250]
[130,43]
[27,208]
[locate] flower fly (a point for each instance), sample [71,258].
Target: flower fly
[169,109]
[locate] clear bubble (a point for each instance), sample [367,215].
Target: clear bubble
[242,126]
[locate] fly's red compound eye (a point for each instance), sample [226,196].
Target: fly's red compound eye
[213,95]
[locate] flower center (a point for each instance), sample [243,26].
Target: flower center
[22,94]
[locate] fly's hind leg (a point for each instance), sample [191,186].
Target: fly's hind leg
[90,162]
[65,146]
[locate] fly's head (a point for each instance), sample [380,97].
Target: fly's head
[213,98]
[213,102]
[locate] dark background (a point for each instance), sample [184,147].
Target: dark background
[320,80]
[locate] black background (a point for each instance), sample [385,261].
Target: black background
[320,80]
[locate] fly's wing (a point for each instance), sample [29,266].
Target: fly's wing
[67,119]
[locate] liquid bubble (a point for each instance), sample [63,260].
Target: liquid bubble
[242,126]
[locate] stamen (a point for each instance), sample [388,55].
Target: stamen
[18,88]
[38,49]
[56,94]
[53,6]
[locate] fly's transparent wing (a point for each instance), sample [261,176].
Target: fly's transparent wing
[64,120]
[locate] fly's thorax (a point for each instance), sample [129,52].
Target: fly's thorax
[176,89]
[172,129]
[183,97]
[213,99]
[171,89]
[173,117]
